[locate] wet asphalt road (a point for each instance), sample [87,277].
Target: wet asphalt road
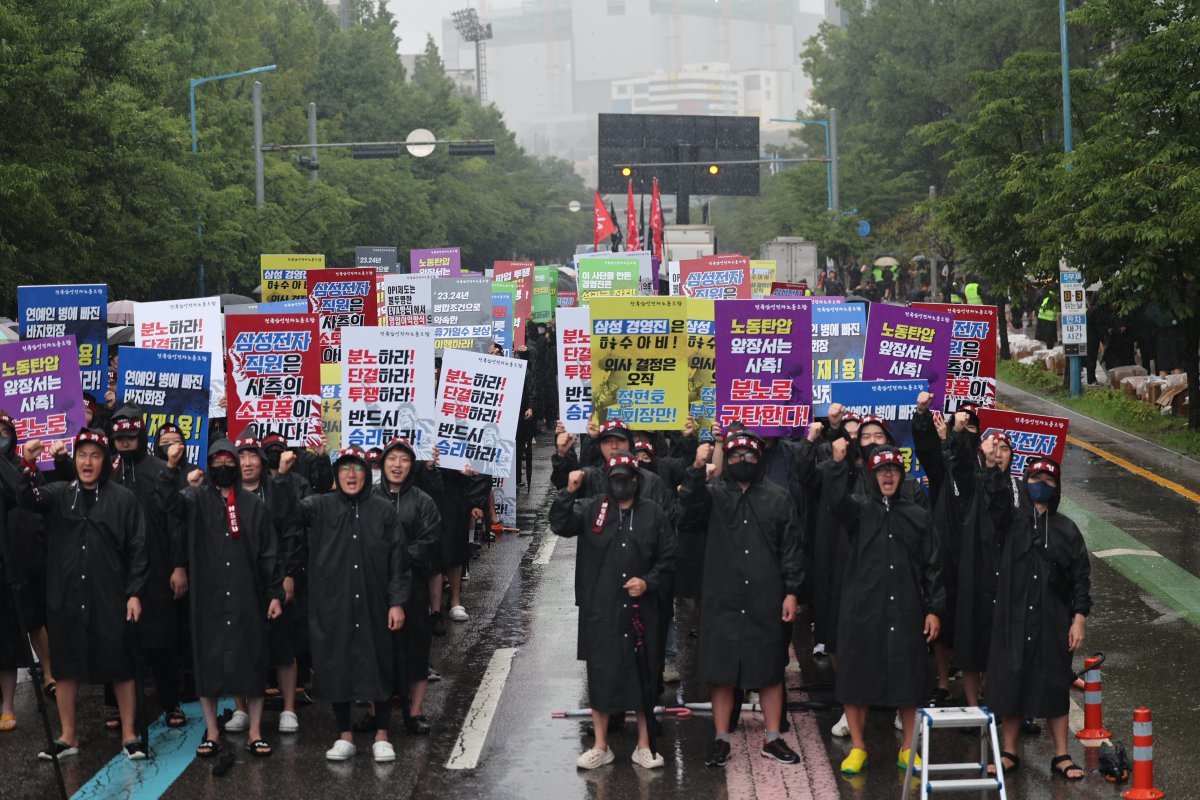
[517,601]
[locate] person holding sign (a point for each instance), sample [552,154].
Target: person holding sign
[626,548]
[892,600]
[95,574]
[236,583]
[753,571]
[1042,603]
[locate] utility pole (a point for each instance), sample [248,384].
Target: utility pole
[312,137]
[835,200]
[259,182]
[933,271]
[1073,362]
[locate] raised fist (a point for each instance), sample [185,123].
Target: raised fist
[815,430]
[175,454]
[840,446]
[703,455]
[575,481]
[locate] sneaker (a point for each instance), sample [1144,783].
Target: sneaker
[841,728]
[593,759]
[383,752]
[778,749]
[902,760]
[898,723]
[670,673]
[819,650]
[719,754]
[288,722]
[61,749]
[437,624]
[644,758]
[459,614]
[434,675]
[940,698]
[341,751]
[854,763]
[239,722]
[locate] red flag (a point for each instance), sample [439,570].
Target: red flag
[603,224]
[656,224]
[631,241]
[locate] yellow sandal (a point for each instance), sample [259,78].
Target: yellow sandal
[8,723]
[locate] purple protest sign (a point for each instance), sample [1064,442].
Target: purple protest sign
[764,364]
[440,262]
[40,389]
[904,343]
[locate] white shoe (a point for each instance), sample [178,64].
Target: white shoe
[899,725]
[819,650]
[239,722]
[459,614]
[671,672]
[644,758]
[841,728]
[288,722]
[342,750]
[591,759]
[383,752]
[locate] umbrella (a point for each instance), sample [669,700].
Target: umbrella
[648,682]
[120,334]
[8,334]
[120,312]
[236,300]
[886,261]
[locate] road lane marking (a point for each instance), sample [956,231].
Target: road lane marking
[547,550]
[1125,551]
[478,722]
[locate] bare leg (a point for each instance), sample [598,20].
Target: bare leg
[643,741]
[1058,729]
[908,720]
[600,723]
[255,706]
[41,646]
[455,574]
[126,693]
[435,594]
[856,718]
[972,685]
[771,698]
[239,703]
[941,658]
[722,704]
[66,695]
[416,698]
[287,685]
[208,706]
[8,688]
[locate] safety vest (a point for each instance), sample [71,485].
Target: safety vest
[1047,312]
[878,274]
[973,296]
[955,297]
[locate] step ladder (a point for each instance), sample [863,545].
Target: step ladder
[929,719]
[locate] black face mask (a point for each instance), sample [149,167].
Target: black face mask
[273,459]
[622,488]
[742,471]
[224,477]
[867,450]
[649,466]
[973,440]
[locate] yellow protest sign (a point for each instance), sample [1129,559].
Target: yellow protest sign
[639,361]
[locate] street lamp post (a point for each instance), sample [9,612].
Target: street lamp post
[831,176]
[192,84]
[1073,362]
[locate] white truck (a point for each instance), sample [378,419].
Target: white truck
[795,260]
[688,241]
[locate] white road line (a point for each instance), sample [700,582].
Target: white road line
[1125,551]
[475,727]
[543,556]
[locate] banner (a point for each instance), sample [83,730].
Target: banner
[79,310]
[892,401]
[715,277]
[606,277]
[40,389]
[545,293]
[438,262]
[639,361]
[380,259]
[839,337]
[502,319]
[905,343]
[1033,435]
[461,314]
[573,326]
[762,277]
[341,298]
[274,376]
[193,325]
[702,365]
[169,386]
[784,289]
[478,403]
[522,273]
[971,370]
[764,372]
[283,275]
[386,388]
[406,299]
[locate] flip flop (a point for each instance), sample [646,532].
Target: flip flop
[208,748]
[176,718]
[8,723]
[259,748]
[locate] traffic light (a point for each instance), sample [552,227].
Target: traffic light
[713,169]
[375,152]
[472,148]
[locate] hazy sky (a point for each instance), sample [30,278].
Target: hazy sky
[416,18]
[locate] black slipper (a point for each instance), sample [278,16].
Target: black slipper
[1068,764]
[259,748]
[208,748]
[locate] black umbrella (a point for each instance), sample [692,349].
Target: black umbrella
[648,683]
[120,334]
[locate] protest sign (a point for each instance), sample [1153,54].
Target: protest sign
[573,326]
[169,386]
[568,299]
[784,289]
[971,370]
[762,276]
[504,489]
[407,299]
[502,319]
[702,365]
[895,402]
[438,262]
[545,293]
[639,361]
[341,298]
[724,277]
[478,403]
[79,310]
[461,314]
[41,391]
[647,279]
[764,372]
[907,343]
[274,376]
[386,388]
[1033,435]
[380,259]
[839,336]
[279,307]
[612,276]
[283,275]
[194,325]
[673,278]
[521,273]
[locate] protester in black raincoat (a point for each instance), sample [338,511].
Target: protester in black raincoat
[418,515]
[1042,602]
[95,575]
[892,598]
[612,437]
[166,580]
[358,562]
[625,551]
[753,572]
[14,649]
[236,582]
